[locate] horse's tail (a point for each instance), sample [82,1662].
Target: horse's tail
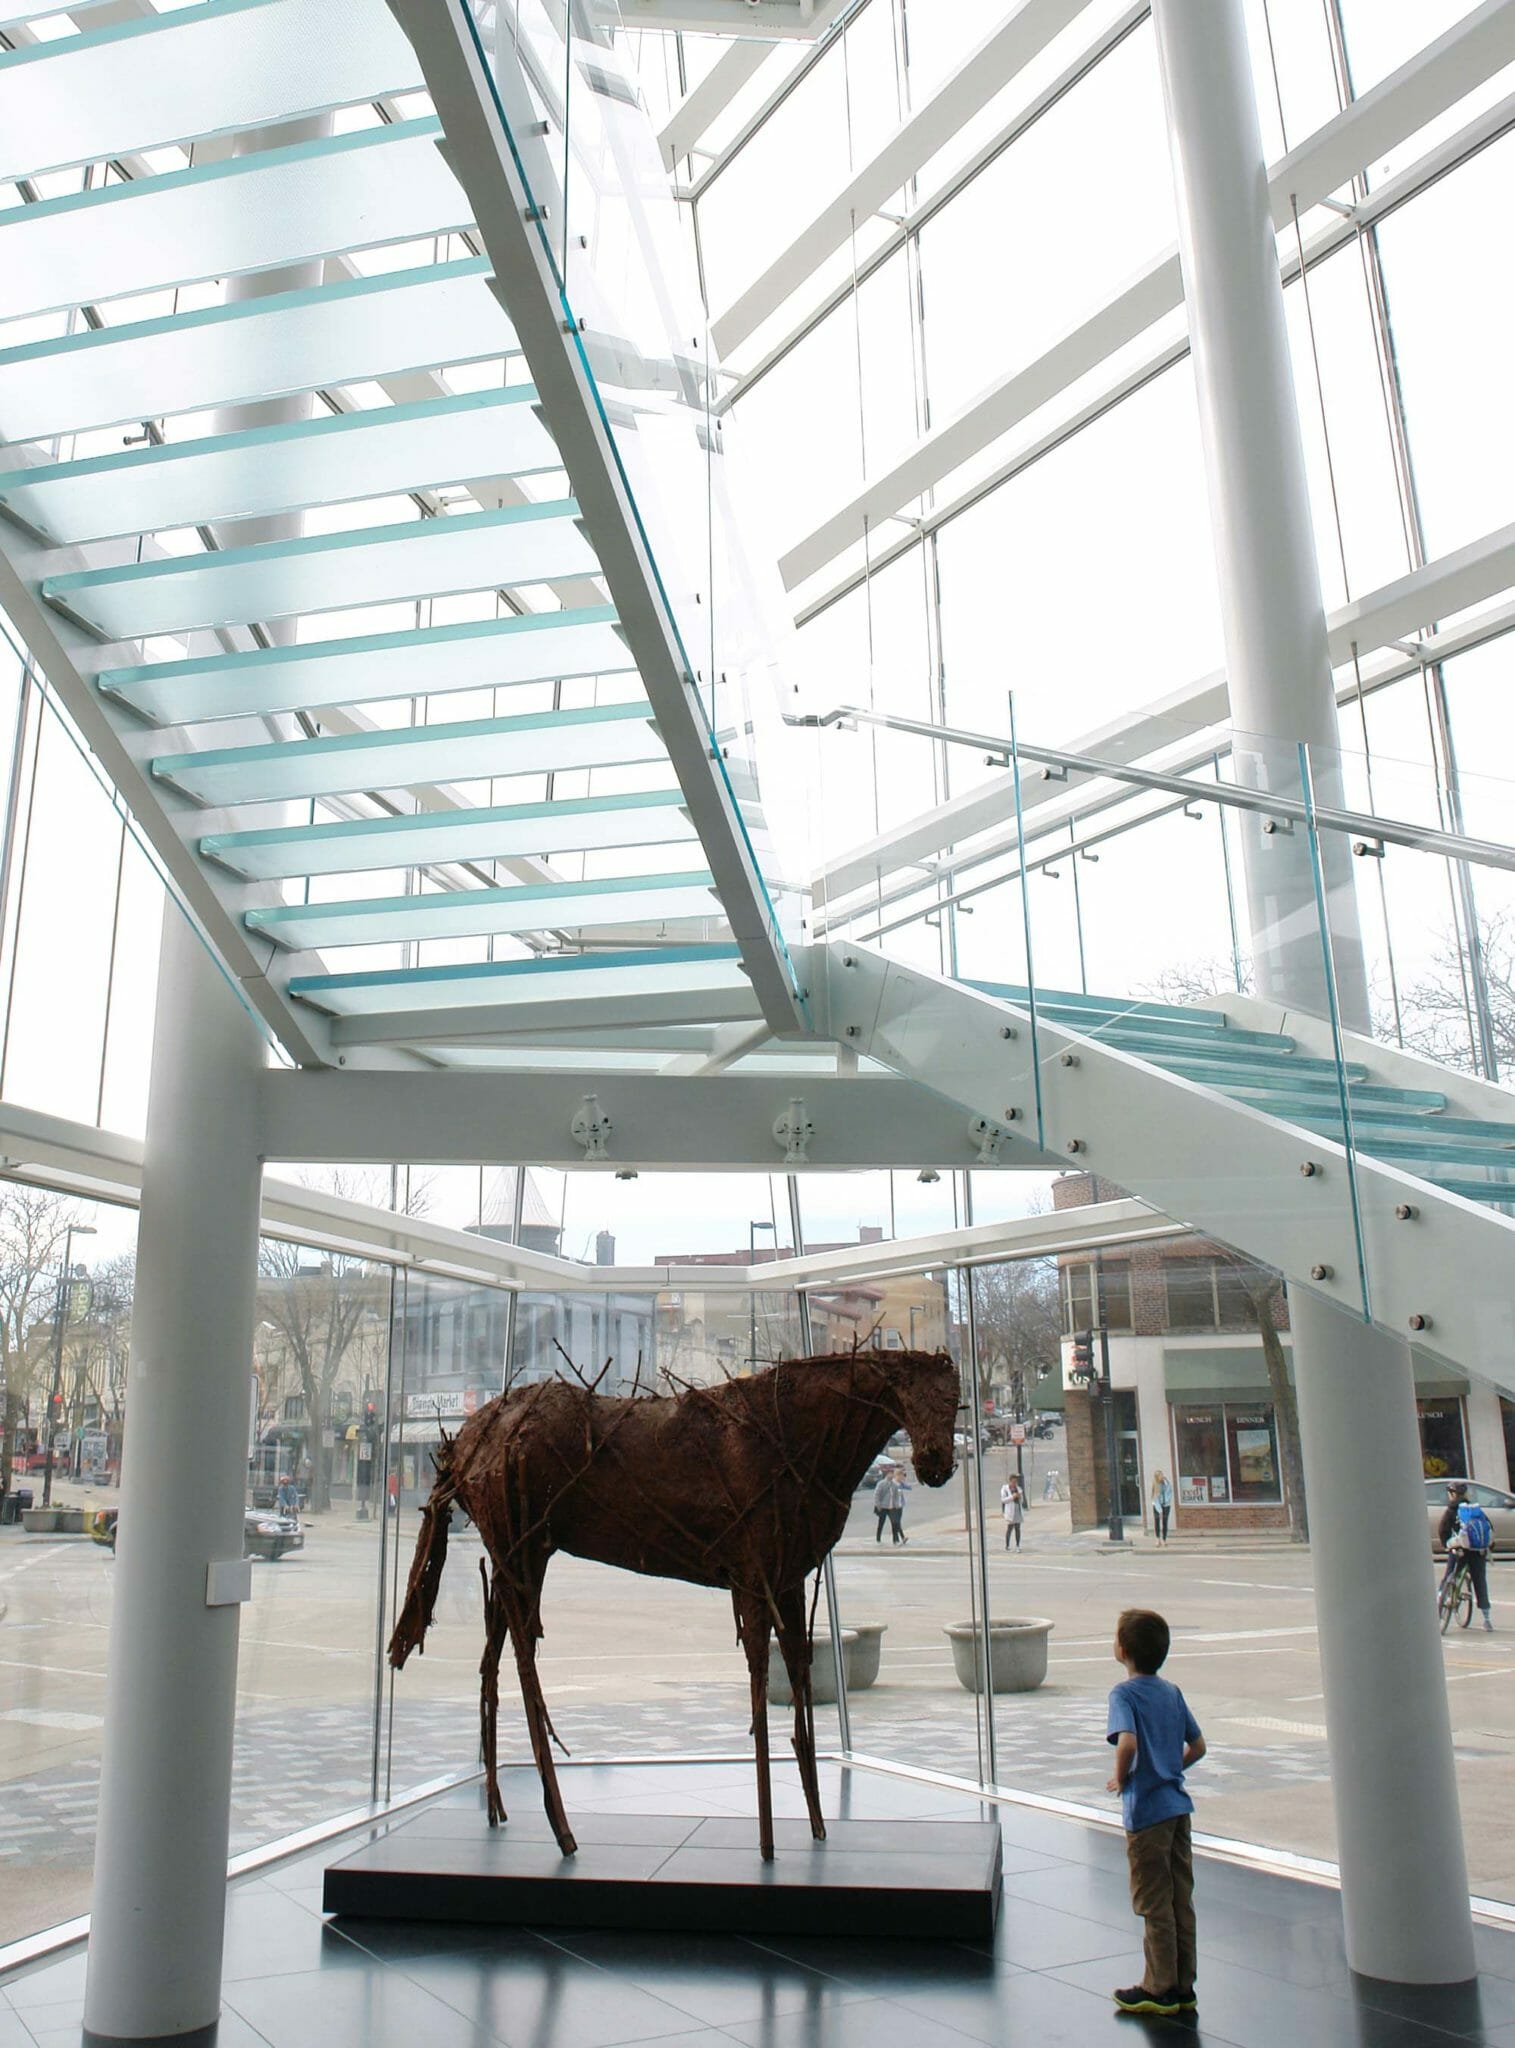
[426,1565]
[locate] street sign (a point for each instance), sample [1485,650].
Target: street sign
[1017,1432]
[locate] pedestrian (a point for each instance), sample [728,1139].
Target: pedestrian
[286,1500]
[1465,1531]
[897,1512]
[1156,1739]
[392,1488]
[1162,1506]
[1013,1507]
[886,1500]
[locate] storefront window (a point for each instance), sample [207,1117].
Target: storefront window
[1253,1450]
[1226,1455]
[1443,1447]
[1201,1458]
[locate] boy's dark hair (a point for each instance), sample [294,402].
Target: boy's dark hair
[1143,1637]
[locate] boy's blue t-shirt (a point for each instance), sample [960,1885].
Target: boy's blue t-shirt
[1157,1714]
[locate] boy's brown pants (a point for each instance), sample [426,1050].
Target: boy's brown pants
[1162,1892]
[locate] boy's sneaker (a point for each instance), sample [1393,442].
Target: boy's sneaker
[1187,2002]
[1138,1999]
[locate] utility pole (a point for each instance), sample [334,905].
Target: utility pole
[1107,1395]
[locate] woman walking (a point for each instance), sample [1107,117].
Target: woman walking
[1162,1506]
[1012,1506]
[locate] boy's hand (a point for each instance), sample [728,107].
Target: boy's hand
[1114,1785]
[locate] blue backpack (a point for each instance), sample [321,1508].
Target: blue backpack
[1476,1526]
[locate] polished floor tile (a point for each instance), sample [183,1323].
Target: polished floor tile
[1273,1971]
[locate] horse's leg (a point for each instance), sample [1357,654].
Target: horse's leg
[752,1620]
[523,1603]
[495,1630]
[795,1647]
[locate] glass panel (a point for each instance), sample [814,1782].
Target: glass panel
[277,469]
[597,736]
[575,122]
[234,64]
[708,972]
[305,1669]
[631,899]
[328,571]
[486,653]
[653,817]
[254,348]
[258,212]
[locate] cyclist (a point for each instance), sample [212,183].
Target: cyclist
[1465,1531]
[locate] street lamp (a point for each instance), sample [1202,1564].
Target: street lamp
[74,1230]
[752,1231]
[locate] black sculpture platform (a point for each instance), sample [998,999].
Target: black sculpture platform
[685,1872]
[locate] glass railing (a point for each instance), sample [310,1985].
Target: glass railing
[1316,936]
[568,97]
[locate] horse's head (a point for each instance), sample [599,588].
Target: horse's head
[927,1389]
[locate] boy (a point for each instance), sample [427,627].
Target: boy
[1156,1739]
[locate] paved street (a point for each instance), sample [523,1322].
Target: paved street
[641,1667]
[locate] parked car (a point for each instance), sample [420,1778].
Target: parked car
[1498,1505]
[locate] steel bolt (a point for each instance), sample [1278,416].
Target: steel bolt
[1008,1031]
[1309,1169]
[1322,1272]
[1419,1322]
[1075,1145]
[1069,1059]
[852,1031]
[1406,1212]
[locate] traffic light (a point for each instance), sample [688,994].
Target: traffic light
[1083,1358]
[55,1407]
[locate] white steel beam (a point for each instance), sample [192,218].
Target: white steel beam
[976,1244]
[1024,33]
[1402,104]
[705,102]
[483,158]
[665,1122]
[1230,1171]
[799,21]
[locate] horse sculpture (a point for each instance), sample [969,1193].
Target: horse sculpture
[744,1485]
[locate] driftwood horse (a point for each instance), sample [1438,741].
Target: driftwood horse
[744,1485]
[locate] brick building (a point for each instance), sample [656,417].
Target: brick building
[1191,1389]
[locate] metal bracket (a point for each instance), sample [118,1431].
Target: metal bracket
[591,1128]
[988,1137]
[793,1130]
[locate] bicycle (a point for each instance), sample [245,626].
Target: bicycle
[1456,1596]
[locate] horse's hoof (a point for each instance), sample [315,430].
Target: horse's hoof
[568,1846]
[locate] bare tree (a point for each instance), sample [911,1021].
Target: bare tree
[1264,1290]
[1017,1319]
[319,1309]
[1199,980]
[1437,1010]
[34,1226]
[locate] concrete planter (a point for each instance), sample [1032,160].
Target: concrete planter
[1017,1654]
[862,1658]
[822,1671]
[40,1521]
[70,1521]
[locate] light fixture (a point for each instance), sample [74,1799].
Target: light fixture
[928,1176]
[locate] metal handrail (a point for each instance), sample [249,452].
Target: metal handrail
[1390,831]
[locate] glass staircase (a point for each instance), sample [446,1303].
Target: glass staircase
[289,517]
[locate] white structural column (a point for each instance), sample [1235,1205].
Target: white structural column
[161,1847]
[1399,1833]
[1272,610]
[1404,1876]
